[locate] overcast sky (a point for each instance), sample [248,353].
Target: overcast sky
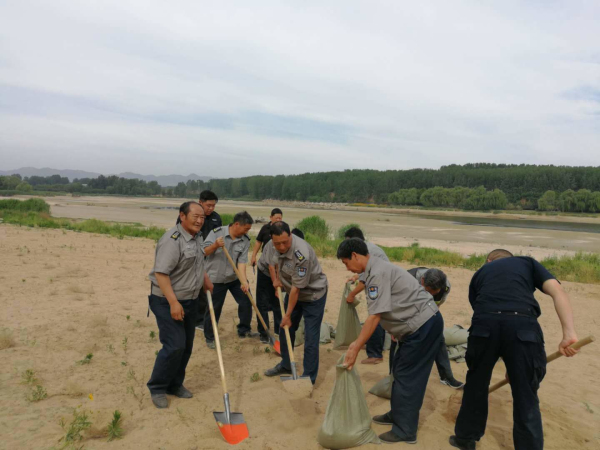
[267,87]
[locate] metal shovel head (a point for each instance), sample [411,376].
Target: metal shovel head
[299,387]
[277,347]
[234,431]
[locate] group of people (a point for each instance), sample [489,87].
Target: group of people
[191,260]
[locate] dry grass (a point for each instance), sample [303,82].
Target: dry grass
[7,339]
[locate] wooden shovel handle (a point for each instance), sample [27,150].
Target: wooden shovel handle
[286,328]
[249,294]
[217,341]
[577,345]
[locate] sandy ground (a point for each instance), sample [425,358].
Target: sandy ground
[384,226]
[66,294]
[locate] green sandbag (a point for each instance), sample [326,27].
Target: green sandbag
[457,353]
[347,420]
[455,335]
[324,338]
[383,388]
[299,340]
[348,326]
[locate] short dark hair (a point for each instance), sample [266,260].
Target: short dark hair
[354,232]
[278,228]
[435,279]
[276,211]
[499,253]
[243,218]
[185,207]
[208,195]
[352,245]
[298,232]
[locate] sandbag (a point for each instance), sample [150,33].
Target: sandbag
[325,337]
[347,420]
[455,335]
[387,342]
[383,388]
[457,353]
[348,326]
[299,340]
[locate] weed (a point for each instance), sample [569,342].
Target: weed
[86,360]
[588,408]
[124,344]
[36,394]
[152,336]
[114,427]
[267,349]
[255,377]
[110,349]
[131,375]
[156,353]
[315,226]
[28,377]
[128,317]
[124,363]
[138,324]
[73,430]
[6,339]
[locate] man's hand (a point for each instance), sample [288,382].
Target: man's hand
[563,347]
[208,285]
[245,288]
[220,242]
[277,284]
[253,261]
[350,298]
[286,321]
[353,278]
[351,355]
[177,311]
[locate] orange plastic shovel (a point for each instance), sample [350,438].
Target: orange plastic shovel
[231,424]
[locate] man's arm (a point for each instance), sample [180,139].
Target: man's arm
[257,245]
[357,290]
[367,331]
[164,283]
[292,300]
[244,280]
[565,315]
[208,285]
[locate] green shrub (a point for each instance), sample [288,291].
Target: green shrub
[31,204]
[342,230]
[227,219]
[314,225]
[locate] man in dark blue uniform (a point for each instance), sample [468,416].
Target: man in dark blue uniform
[505,325]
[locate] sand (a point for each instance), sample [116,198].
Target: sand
[66,294]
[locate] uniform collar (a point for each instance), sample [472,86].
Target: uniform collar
[231,237]
[187,236]
[290,252]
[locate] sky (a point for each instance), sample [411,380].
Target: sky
[238,88]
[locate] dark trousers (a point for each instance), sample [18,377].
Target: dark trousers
[177,339]
[375,343]
[520,343]
[202,307]
[244,307]
[267,300]
[313,316]
[413,361]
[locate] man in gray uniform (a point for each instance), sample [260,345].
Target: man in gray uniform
[376,342]
[177,279]
[406,311]
[306,285]
[218,267]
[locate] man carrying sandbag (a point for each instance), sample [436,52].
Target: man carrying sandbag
[406,311]
[301,276]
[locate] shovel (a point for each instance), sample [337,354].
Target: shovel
[272,341]
[231,424]
[300,386]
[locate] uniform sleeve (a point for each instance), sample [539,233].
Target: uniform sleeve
[243,259]
[210,239]
[379,294]
[540,275]
[301,275]
[167,256]
[262,234]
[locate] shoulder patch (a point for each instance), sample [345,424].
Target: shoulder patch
[299,255]
[176,235]
[214,219]
[217,229]
[373,292]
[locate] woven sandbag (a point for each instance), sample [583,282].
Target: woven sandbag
[455,335]
[383,388]
[348,326]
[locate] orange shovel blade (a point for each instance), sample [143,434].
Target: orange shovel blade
[277,347]
[233,434]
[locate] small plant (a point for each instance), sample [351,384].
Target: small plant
[36,394]
[73,431]
[110,349]
[28,377]
[128,317]
[114,427]
[138,323]
[588,408]
[267,349]
[156,353]
[255,377]
[131,375]
[124,344]
[152,336]
[124,363]
[86,360]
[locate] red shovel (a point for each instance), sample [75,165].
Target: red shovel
[231,424]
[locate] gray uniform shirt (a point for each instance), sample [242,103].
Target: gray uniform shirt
[300,267]
[444,295]
[217,266]
[180,256]
[403,303]
[377,252]
[269,256]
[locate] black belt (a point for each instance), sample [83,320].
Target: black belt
[509,312]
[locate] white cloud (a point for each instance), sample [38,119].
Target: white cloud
[230,89]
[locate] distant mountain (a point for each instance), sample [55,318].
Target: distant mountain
[163,180]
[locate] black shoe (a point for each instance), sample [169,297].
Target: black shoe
[246,334]
[462,444]
[383,419]
[392,438]
[200,327]
[277,370]
[264,338]
[160,400]
[454,384]
[211,345]
[181,392]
